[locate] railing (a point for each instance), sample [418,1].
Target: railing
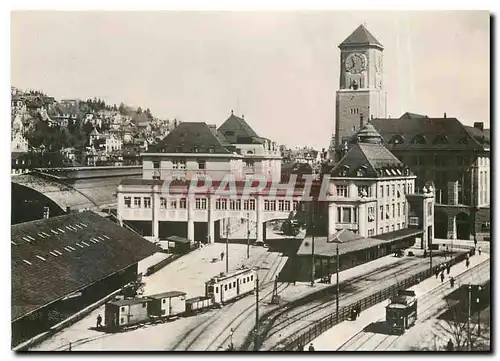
[320,326]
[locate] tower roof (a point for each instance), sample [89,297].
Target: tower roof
[368,134]
[361,37]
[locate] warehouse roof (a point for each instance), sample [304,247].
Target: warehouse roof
[55,257]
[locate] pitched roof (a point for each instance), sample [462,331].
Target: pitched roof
[361,37]
[190,135]
[370,157]
[236,129]
[407,128]
[55,257]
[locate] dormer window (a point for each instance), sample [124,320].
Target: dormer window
[419,139]
[195,149]
[441,139]
[397,139]
[361,172]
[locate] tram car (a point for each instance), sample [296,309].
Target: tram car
[227,287]
[401,313]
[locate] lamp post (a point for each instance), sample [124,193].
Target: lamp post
[469,346]
[313,263]
[248,235]
[227,247]
[256,339]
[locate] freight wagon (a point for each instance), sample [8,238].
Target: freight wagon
[168,304]
[198,304]
[128,312]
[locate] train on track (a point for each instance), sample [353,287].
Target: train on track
[121,314]
[401,313]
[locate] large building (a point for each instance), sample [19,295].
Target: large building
[61,265]
[453,157]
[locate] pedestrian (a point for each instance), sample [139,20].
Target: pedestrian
[452,282]
[449,346]
[437,272]
[99,321]
[479,250]
[467,262]
[222,256]
[448,269]
[311,347]
[442,277]
[475,242]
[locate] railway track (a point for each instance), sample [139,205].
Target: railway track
[369,341]
[288,317]
[199,331]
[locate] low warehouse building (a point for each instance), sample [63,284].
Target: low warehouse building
[62,264]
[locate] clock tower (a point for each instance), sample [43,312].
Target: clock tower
[361,95]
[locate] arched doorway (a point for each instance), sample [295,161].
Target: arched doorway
[440,224]
[463,226]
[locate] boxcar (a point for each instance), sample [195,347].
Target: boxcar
[167,304]
[128,312]
[227,287]
[198,304]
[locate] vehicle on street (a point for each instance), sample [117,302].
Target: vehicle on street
[401,313]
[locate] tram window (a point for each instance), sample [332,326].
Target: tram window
[251,278]
[122,320]
[225,287]
[123,309]
[164,301]
[234,284]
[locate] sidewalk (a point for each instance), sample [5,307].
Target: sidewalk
[338,335]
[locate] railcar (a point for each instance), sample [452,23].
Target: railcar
[198,304]
[401,313]
[227,287]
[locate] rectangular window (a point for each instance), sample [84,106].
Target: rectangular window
[245,205]
[221,204]
[182,203]
[342,191]
[399,209]
[201,164]
[179,164]
[156,165]
[339,214]
[173,204]
[137,202]
[281,205]
[163,203]
[387,210]
[364,191]
[346,215]
[295,205]
[147,202]
[234,205]
[201,203]
[251,204]
[393,190]
[128,202]
[387,190]
[381,191]
[266,205]
[287,206]
[429,209]
[272,205]
[393,228]
[381,212]
[393,211]
[225,287]
[404,208]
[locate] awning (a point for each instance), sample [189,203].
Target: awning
[400,234]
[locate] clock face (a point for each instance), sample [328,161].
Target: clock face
[355,63]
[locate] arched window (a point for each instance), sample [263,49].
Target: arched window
[344,170]
[397,139]
[419,139]
[361,171]
[440,139]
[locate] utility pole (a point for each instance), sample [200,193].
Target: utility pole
[469,346]
[430,257]
[313,263]
[256,339]
[248,235]
[227,247]
[338,284]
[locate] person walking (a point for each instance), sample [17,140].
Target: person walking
[479,250]
[467,263]
[99,321]
[311,347]
[452,282]
[448,267]
[437,272]
[442,277]
[222,256]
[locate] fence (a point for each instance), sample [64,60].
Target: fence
[320,326]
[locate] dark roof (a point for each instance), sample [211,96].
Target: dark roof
[371,158]
[190,135]
[454,135]
[346,240]
[141,182]
[178,239]
[108,248]
[399,234]
[130,301]
[168,294]
[236,130]
[361,37]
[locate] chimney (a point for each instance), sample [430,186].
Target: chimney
[479,125]
[444,115]
[242,116]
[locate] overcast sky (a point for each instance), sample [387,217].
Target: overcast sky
[279,69]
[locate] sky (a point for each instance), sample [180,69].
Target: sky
[279,69]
